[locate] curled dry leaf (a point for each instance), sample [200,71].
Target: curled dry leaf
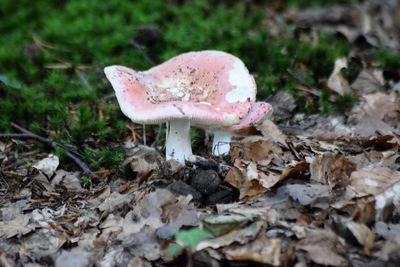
[178,214]
[336,81]
[147,212]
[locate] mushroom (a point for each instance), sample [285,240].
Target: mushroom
[209,88]
[259,112]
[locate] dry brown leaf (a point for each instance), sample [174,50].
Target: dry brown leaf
[374,181]
[336,81]
[271,132]
[47,165]
[241,236]
[71,180]
[323,247]
[261,250]
[142,160]
[381,106]
[115,201]
[247,188]
[147,212]
[368,81]
[368,126]
[362,233]
[331,169]
[20,225]
[178,214]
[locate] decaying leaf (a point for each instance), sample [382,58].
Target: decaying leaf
[368,81]
[323,247]
[71,180]
[221,224]
[368,126]
[247,187]
[374,181]
[18,226]
[382,106]
[47,165]
[333,170]
[306,194]
[142,159]
[271,132]
[241,236]
[115,201]
[262,250]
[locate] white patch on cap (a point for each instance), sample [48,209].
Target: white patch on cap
[239,76]
[229,119]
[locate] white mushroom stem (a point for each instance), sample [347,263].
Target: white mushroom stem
[221,142]
[178,145]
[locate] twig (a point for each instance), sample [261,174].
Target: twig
[310,89]
[29,135]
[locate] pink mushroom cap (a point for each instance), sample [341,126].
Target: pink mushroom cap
[211,88]
[259,112]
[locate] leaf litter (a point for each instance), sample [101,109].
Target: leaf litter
[304,190]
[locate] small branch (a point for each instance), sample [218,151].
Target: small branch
[26,134]
[300,80]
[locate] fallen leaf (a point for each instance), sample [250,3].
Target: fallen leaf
[368,81]
[142,160]
[115,201]
[283,104]
[306,194]
[47,165]
[18,226]
[368,126]
[380,106]
[241,236]
[148,212]
[222,224]
[71,259]
[272,132]
[246,187]
[336,81]
[331,169]
[374,181]
[71,180]
[323,247]
[261,250]
[362,233]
